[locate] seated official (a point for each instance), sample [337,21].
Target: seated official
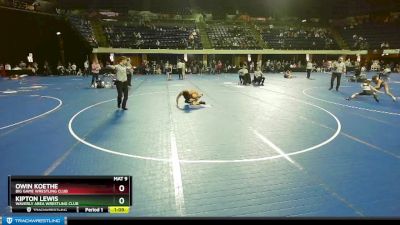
[358,75]
[385,73]
[288,74]
[247,79]
[258,77]
[242,72]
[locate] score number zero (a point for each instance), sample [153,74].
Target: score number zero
[121,188]
[121,200]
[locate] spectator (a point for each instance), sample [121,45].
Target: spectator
[95,72]
[181,69]
[73,69]
[60,69]
[22,65]
[7,66]
[46,68]
[86,68]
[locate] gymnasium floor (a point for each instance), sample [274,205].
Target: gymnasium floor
[290,148]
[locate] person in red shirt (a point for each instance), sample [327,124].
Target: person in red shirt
[2,70]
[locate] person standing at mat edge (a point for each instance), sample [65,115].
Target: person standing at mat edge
[181,69]
[130,71]
[309,68]
[339,68]
[122,81]
[95,72]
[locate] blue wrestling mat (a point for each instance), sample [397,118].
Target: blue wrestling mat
[288,148]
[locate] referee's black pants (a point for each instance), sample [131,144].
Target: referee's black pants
[337,76]
[122,88]
[308,73]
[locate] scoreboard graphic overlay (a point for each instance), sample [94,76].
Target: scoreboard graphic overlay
[70,194]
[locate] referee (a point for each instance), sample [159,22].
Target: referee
[339,69]
[122,81]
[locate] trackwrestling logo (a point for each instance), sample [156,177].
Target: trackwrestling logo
[25,220]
